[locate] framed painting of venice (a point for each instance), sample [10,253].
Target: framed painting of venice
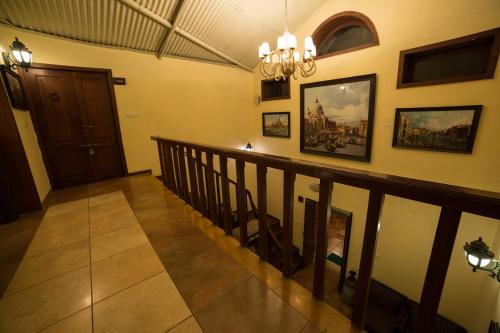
[276,124]
[450,128]
[336,117]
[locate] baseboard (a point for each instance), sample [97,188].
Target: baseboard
[140,172]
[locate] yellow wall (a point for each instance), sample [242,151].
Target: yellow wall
[175,98]
[407,228]
[31,148]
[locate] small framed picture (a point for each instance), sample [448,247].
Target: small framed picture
[14,88]
[276,124]
[450,128]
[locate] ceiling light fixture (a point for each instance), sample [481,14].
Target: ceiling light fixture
[21,55]
[285,60]
[480,257]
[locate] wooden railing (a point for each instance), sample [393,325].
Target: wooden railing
[453,200]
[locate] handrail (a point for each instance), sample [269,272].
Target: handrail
[475,201]
[453,200]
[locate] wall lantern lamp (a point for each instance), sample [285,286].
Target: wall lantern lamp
[480,257]
[21,56]
[248,147]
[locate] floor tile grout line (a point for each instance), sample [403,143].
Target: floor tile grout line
[44,281]
[64,318]
[122,252]
[133,285]
[55,249]
[119,228]
[90,271]
[180,323]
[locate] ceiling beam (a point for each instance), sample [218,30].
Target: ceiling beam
[157,18]
[169,33]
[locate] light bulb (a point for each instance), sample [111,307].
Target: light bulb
[261,53]
[265,48]
[296,56]
[282,42]
[292,41]
[473,260]
[308,44]
[17,55]
[26,56]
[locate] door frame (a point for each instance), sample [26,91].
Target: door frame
[36,122]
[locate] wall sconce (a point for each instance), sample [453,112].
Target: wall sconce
[480,257]
[21,55]
[248,147]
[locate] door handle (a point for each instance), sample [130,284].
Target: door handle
[90,145]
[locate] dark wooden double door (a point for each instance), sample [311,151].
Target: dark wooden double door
[75,115]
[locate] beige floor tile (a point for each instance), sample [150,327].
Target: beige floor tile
[106,198]
[189,325]
[35,308]
[109,209]
[66,207]
[108,223]
[153,305]
[58,238]
[75,217]
[117,241]
[46,266]
[80,322]
[123,270]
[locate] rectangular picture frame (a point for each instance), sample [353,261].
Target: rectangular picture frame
[446,129]
[343,127]
[14,88]
[276,124]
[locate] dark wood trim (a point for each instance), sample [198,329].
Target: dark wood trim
[201,183]
[345,250]
[324,211]
[373,214]
[242,202]
[175,155]
[161,155]
[474,201]
[262,211]
[264,114]
[267,99]
[442,248]
[36,122]
[488,73]
[211,186]
[182,166]
[288,199]
[339,21]
[140,172]
[192,178]
[226,197]
[170,167]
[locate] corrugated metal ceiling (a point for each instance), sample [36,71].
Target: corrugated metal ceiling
[233,27]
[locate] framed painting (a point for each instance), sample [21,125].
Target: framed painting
[14,88]
[450,128]
[336,117]
[276,124]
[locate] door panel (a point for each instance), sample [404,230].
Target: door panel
[98,121]
[57,112]
[75,114]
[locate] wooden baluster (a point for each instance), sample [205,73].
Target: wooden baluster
[288,195]
[442,248]
[241,196]
[175,154]
[162,162]
[262,211]
[167,149]
[192,179]
[220,217]
[182,167]
[227,220]
[373,214]
[324,210]
[212,209]
[201,183]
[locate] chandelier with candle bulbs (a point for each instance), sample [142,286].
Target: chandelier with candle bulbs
[285,60]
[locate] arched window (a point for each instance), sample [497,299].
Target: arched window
[344,32]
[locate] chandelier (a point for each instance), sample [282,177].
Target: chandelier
[285,60]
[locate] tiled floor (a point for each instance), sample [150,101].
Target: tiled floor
[129,256]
